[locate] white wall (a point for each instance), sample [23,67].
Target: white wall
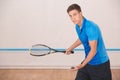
[27,22]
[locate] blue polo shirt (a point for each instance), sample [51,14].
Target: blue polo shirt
[89,31]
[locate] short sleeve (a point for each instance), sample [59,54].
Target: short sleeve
[92,33]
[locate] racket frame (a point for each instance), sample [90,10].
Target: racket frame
[50,52]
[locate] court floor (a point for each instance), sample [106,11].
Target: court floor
[44,74]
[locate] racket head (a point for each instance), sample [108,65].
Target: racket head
[39,50]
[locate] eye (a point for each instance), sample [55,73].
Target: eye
[70,15]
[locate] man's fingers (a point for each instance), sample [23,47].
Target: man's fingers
[67,52]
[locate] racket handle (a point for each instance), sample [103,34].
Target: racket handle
[72,52]
[65,51]
[72,67]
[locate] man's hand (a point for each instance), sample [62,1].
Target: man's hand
[68,51]
[77,67]
[74,45]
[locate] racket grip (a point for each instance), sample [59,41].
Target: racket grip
[65,51]
[72,52]
[72,67]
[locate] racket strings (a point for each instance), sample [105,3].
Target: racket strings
[39,50]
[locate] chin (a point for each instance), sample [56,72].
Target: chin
[75,23]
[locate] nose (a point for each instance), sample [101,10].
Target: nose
[72,18]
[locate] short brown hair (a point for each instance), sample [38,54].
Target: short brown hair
[74,6]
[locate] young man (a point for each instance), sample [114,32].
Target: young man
[96,65]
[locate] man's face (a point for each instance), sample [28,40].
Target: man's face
[75,16]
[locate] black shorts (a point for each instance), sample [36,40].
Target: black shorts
[95,72]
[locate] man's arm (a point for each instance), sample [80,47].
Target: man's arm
[92,53]
[74,45]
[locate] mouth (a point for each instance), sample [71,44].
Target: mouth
[75,22]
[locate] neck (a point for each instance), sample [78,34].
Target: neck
[81,20]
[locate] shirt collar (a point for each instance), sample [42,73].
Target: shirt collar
[83,24]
